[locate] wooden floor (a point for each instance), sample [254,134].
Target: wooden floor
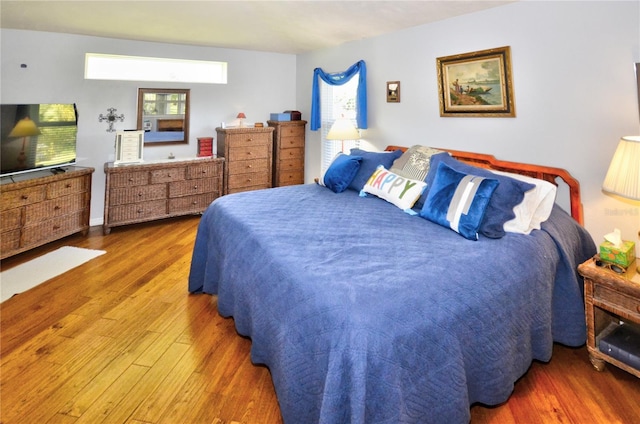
[119,340]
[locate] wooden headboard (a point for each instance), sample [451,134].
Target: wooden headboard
[546,173]
[170,124]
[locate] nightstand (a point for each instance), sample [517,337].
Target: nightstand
[611,300]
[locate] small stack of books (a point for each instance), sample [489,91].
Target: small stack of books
[205,146]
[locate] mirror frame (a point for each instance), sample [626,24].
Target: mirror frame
[187,92]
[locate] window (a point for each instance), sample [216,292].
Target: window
[137,68]
[57,143]
[164,104]
[337,101]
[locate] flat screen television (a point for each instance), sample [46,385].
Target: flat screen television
[37,136]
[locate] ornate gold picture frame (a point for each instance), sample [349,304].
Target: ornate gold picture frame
[477,84]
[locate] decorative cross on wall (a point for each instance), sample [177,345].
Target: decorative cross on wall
[111,118]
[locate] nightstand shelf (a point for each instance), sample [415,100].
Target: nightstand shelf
[611,300]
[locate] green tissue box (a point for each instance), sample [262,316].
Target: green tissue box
[622,256]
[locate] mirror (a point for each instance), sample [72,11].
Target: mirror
[163,114]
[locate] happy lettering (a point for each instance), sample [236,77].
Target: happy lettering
[382,179]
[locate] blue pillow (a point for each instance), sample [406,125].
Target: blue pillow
[509,194]
[458,201]
[370,161]
[340,173]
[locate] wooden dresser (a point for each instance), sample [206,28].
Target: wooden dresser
[44,207]
[288,152]
[248,156]
[149,191]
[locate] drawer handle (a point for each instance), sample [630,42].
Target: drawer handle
[194,203]
[24,197]
[139,211]
[56,227]
[56,208]
[139,194]
[249,166]
[203,172]
[195,187]
[68,185]
[249,153]
[249,139]
[248,180]
[130,180]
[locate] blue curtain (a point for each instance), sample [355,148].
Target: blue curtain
[339,79]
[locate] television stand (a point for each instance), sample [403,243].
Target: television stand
[35,211]
[58,170]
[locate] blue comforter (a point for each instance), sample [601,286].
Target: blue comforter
[365,314]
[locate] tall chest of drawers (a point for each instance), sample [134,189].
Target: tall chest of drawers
[42,209]
[288,152]
[146,192]
[248,158]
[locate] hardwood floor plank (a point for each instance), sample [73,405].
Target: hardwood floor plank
[120,340]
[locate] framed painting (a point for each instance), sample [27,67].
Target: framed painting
[393,91]
[477,84]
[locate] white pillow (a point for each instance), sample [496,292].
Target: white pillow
[536,206]
[402,192]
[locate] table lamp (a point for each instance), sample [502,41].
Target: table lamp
[342,129]
[623,176]
[241,116]
[24,128]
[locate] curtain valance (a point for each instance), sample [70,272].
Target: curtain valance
[339,79]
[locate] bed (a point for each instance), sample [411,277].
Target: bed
[366,313]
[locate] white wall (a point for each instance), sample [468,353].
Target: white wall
[258,83]
[574,82]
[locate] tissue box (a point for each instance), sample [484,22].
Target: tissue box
[281,117]
[622,256]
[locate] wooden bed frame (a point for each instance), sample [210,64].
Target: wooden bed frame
[545,173]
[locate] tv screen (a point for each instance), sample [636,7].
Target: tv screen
[37,136]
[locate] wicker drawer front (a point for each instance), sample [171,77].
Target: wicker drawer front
[16,198]
[137,211]
[48,209]
[10,240]
[248,180]
[248,140]
[168,175]
[248,188]
[122,196]
[291,178]
[52,229]
[292,131]
[189,187]
[254,152]
[128,179]
[204,170]
[631,305]
[247,166]
[10,219]
[66,187]
[289,142]
[288,154]
[193,204]
[291,165]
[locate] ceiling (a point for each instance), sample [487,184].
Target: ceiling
[291,27]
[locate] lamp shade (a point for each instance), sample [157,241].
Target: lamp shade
[241,115]
[343,129]
[623,176]
[24,128]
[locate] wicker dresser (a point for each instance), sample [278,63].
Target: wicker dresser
[247,152]
[44,208]
[288,152]
[146,192]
